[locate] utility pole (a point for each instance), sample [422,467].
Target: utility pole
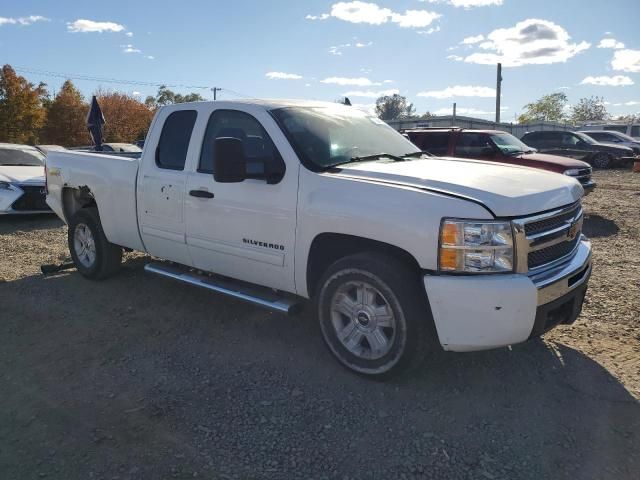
[498,92]
[215,91]
[453,120]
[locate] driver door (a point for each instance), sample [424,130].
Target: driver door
[243,230]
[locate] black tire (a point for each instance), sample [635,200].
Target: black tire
[397,286]
[108,256]
[601,160]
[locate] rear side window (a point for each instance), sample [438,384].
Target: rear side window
[617,128]
[472,144]
[635,131]
[434,143]
[258,147]
[174,140]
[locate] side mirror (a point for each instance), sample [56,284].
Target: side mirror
[230,163]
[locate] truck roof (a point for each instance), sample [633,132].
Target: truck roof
[268,104]
[450,129]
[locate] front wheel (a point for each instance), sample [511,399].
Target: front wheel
[373,315]
[93,255]
[601,160]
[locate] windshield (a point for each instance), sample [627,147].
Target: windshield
[328,136]
[22,156]
[509,144]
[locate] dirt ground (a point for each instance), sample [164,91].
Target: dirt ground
[137,377]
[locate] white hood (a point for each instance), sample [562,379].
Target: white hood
[508,191]
[22,174]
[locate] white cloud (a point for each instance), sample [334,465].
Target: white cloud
[467,3]
[614,81]
[532,41]
[344,81]
[456,58]
[337,50]
[373,14]
[282,76]
[460,91]
[150,57]
[626,60]
[564,88]
[31,19]
[472,40]
[627,104]
[388,81]
[430,31]
[461,111]
[371,93]
[136,94]
[130,49]
[84,26]
[129,34]
[322,16]
[610,43]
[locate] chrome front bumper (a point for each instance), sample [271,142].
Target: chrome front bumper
[562,279]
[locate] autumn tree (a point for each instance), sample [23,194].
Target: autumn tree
[589,109]
[127,119]
[66,118]
[21,107]
[392,107]
[168,97]
[547,108]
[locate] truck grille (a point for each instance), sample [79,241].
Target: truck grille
[549,238]
[32,199]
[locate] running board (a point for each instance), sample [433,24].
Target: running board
[256,295]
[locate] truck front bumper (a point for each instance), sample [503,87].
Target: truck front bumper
[489,311]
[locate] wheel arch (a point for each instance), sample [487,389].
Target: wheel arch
[75,199]
[326,248]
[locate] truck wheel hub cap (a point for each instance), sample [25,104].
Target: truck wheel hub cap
[84,245]
[363,320]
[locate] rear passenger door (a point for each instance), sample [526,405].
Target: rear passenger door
[161,186]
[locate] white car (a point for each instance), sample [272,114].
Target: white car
[400,250]
[22,183]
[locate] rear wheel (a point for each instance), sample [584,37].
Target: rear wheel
[93,255]
[601,160]
[373,315]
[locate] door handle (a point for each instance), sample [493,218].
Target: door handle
[201,194]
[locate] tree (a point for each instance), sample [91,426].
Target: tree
[127,119]
[589,109]
[631,118]
[549,107]
[392,107]
[21,108]
[66,118]
[168,97]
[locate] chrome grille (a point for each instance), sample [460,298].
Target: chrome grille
[547,239]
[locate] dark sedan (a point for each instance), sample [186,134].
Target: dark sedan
[580,146]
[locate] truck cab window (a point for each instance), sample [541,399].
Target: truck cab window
[258,147]
[174,139]
[436,143]
[472,145]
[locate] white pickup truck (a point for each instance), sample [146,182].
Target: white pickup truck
[274,202]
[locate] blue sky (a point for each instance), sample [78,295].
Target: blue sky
[434,52]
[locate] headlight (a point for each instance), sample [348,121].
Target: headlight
[572,172]
[473,246]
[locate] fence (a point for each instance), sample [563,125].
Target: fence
[518,129]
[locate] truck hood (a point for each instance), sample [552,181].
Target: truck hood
[563,163]
[22,174]
[507,191]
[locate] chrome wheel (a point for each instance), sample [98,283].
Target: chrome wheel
[363,320]
[84,245]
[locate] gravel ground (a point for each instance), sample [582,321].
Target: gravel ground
[141,378]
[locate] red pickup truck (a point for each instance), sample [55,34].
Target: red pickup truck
[496,146]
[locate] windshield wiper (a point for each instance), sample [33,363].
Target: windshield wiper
[418,154]
[366,158]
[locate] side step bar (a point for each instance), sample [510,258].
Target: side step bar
[256,295]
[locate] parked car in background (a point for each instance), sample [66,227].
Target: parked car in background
[120,148]
[580,146]
[49,148]
[614,138]
[270,201]
[496,146]
[632,130]
[22,181]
